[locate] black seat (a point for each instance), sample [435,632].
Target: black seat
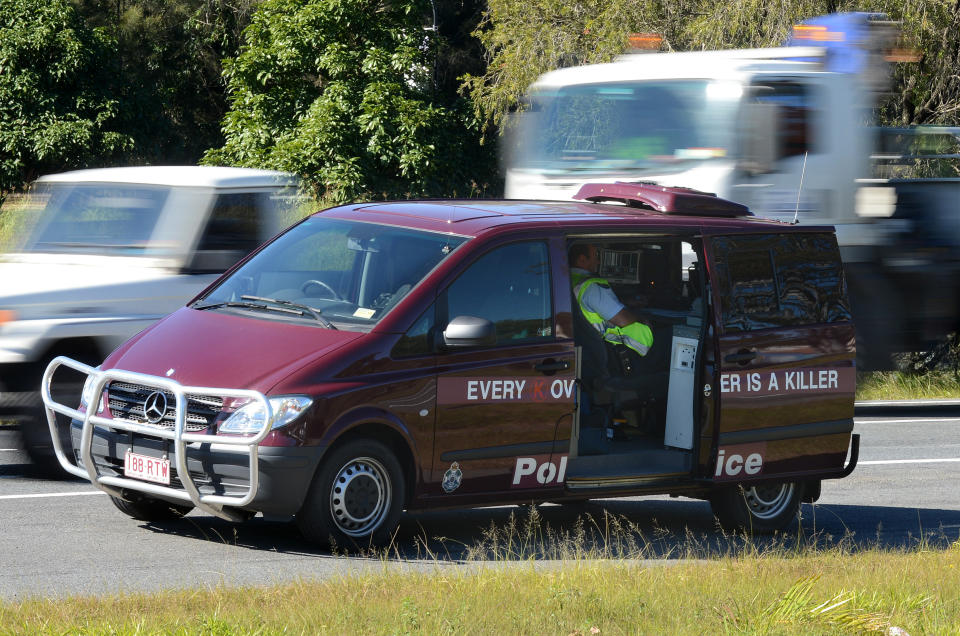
[612,389]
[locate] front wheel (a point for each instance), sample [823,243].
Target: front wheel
[148,509]
[760,509]
[356,497]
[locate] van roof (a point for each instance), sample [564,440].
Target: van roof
[472,217]
[187,176]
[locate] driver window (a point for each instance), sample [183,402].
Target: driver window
[509,286]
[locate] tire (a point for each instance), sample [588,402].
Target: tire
[35,441]
[760,509]
[356,497]
[147,509]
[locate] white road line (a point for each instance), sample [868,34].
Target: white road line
[8,450]
[54,494]
[909,461]
[915,420]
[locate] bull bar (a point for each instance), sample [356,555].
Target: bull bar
[211,503]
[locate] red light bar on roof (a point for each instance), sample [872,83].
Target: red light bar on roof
[662,199]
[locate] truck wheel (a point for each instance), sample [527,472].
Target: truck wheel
[356,497]
[147,509]
[758,509]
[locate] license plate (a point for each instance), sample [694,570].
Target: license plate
[147,468]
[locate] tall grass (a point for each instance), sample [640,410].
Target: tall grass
[790,584]
[893,385]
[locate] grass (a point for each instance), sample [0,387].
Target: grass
[789,584]
[893,385]
[15,219]
[772,592]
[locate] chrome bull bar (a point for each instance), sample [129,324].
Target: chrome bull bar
[212,504]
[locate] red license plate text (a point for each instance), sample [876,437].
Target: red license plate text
[147,468]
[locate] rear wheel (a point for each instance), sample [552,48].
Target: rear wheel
[356,497]
[760,509]
[147,509]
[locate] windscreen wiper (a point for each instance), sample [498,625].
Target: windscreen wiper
[296,307]
[246,305]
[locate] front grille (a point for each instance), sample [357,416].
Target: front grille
[127,403]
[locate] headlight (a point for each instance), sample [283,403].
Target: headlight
[87,395]
[249,419]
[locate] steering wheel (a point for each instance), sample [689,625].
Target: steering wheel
[319,283]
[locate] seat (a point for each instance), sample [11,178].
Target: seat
[611,391]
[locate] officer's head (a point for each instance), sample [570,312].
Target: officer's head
[585,256]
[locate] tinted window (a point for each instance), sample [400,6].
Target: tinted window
[796,115]
[234,223]
[509,286]
[779,281]
[416,341]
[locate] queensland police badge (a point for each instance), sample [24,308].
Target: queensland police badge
[451,478]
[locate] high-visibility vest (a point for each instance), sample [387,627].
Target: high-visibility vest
[636,335]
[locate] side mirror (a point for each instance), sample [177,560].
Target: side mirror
[760,139]
[469,331]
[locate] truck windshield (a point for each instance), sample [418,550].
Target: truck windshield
[331,271]
[91,218]
[635,126]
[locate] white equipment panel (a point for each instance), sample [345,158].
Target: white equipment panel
[679,429]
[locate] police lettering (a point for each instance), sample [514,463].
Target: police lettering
[734,464]
[529,473]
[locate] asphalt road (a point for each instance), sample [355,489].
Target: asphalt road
[61,538]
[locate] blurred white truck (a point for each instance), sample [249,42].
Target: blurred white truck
[107,252]
[789,133]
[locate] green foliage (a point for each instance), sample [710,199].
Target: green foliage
[340,92]
[525,39]
[522,40]
[57,109]
[169,74]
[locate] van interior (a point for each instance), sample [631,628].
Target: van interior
[636,415]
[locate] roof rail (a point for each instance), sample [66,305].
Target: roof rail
[669,200]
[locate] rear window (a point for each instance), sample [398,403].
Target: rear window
[92,218]
[779,280]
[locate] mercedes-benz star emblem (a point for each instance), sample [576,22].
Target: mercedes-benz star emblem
[154,407]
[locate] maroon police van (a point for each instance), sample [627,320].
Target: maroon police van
[382,357]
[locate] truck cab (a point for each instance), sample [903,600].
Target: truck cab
[785,131]
[105,253]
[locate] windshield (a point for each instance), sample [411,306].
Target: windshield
[647,125]
[89,218]
[328,271]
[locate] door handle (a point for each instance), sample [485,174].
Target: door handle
[552,366]
[741,357]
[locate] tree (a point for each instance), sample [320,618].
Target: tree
[342,93]
[56,106]
[522,40]
[525,39]
[169,78]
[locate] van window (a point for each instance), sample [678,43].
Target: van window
[352,273]
[510,286]
[787,280]
[416,341]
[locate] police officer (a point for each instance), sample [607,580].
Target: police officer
[601,307]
